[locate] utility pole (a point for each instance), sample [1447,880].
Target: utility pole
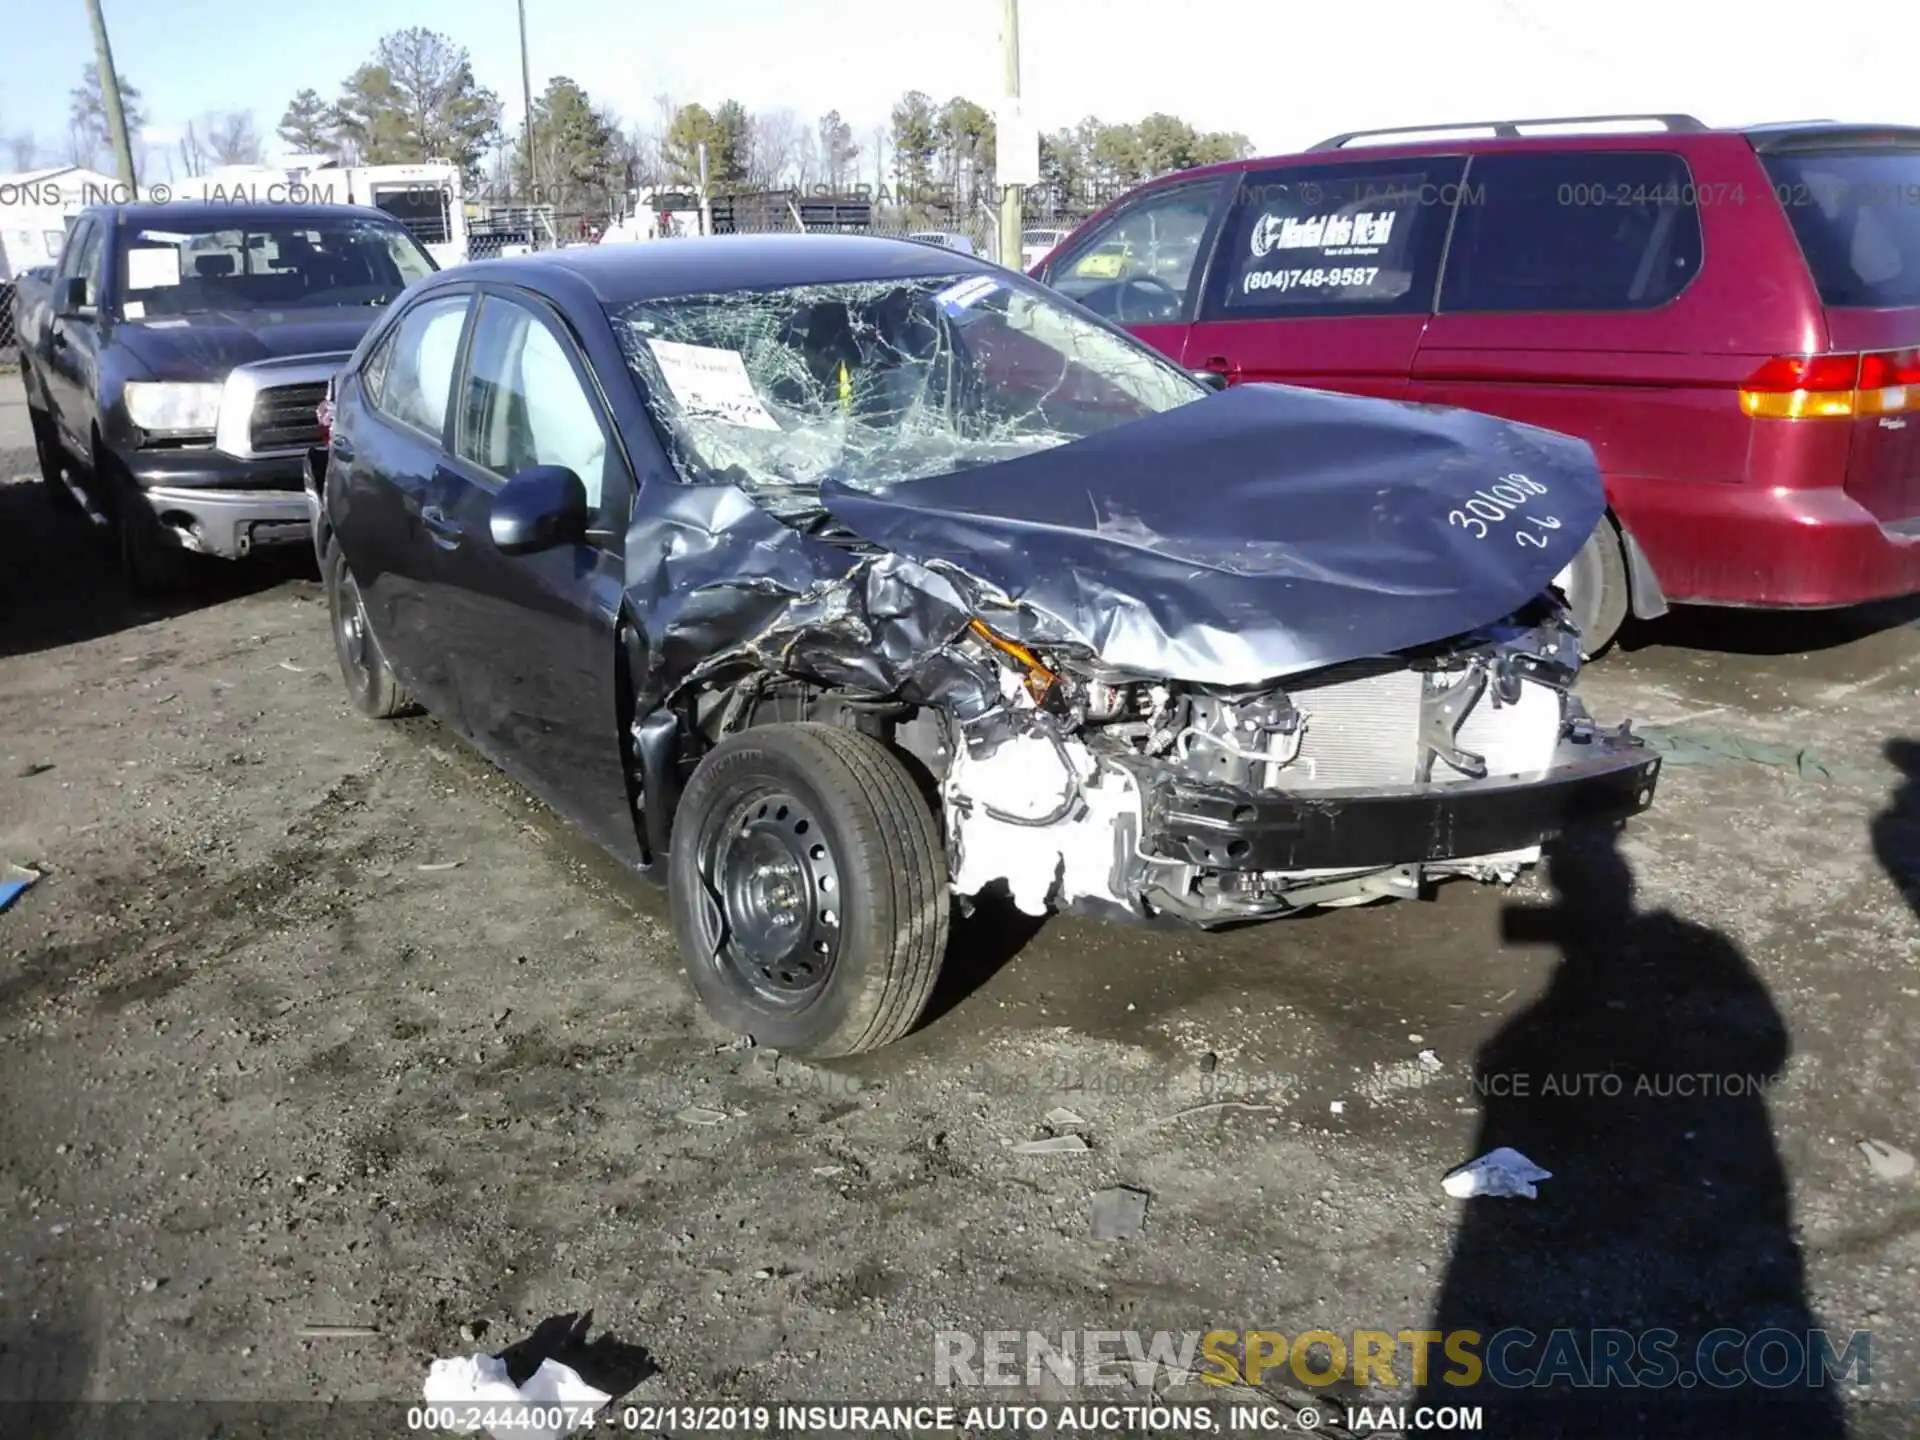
[110,98]
[1010,195]
[526,94]
[706,205]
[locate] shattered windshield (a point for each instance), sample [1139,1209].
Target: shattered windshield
[875,383]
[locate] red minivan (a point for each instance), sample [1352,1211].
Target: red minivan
[1731,318]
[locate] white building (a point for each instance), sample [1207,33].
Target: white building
[36,206]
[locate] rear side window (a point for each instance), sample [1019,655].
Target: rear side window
[415,370]
[1573,231]
[1857,217]
[1353,239]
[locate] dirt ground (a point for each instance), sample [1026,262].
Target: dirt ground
[268,1064]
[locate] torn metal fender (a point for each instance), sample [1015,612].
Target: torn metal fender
[1254,534]
[720,587]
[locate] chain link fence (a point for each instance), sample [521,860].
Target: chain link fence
[9,346]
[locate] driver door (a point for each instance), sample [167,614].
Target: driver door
[1141,267]
[532,636]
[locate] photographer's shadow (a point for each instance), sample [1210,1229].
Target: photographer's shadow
[1638,1079]
[1896,830]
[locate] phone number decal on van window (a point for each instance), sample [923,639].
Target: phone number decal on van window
[1338,279]
[1501,502]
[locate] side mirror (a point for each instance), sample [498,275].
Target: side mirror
[71,297]
[541,507]
[1212,379]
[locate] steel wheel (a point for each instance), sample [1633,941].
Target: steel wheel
[371,684]
[776,882]
[350,636]
[809,889]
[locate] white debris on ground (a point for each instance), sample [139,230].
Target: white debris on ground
[1886,1161]
[1499,1174]
[553,1402]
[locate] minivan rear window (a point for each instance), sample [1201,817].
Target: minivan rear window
[1857,216]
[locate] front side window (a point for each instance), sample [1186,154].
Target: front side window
[185,269]
[1578,230]
[1354,239]
[84,261]
[413,373]
[525,405]
[1138,267]
[879,383]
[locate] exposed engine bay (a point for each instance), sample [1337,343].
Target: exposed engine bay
[1074,786]
[1064,811]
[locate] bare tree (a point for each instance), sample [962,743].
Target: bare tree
[22,149]
[775,142]
[232,139]
[806,161]
[881,145]
[641,148]
[194,155]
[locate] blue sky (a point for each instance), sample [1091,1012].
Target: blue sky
[1283,73]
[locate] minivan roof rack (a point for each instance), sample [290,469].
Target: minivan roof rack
[1509,129]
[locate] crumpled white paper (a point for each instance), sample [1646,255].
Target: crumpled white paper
[1500,1174]
[554,1392]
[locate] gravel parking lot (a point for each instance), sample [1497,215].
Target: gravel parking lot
[318,1022]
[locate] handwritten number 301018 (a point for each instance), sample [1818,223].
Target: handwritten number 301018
[1501,502]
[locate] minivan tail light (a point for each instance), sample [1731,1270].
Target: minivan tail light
[1816,387]
[1889,382]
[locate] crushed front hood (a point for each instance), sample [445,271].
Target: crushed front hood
[1254,534]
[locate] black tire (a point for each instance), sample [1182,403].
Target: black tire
[153,562]
[775,823]
[53,462]
[1596,589]
[372,687]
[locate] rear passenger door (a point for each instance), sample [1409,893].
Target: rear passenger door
[1569,281]
[1324,275]
[1141,266]
[379,511]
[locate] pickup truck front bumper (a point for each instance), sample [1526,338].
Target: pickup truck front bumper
[218,504]
[1604,778]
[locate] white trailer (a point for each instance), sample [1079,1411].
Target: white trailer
[426,198]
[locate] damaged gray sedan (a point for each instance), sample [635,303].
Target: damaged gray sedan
[836,579]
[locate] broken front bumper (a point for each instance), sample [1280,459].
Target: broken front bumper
[1600,780]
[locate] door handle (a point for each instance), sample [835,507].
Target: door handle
[445,533]
[1221,365]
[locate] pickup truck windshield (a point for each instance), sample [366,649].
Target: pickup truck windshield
[875,383]
[296,264]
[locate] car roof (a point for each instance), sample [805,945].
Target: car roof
[660,269]
[1574,133]
[200,213]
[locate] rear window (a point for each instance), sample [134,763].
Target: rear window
[1857,217]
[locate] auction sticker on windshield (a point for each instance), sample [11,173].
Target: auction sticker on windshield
[149,269]
[711,384]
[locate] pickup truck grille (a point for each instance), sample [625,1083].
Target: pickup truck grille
[284,417]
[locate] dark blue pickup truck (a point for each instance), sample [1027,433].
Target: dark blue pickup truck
[174,359]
